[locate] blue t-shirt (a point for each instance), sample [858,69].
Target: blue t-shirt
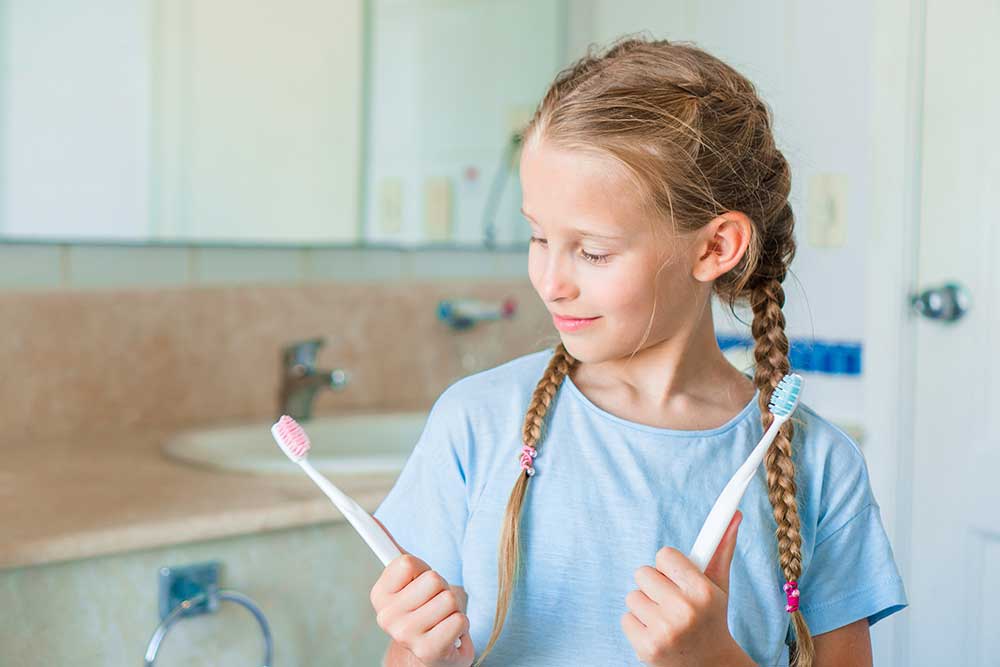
[608,494]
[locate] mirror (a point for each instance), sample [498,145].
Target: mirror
[302,122]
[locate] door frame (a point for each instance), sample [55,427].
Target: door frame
[897,80]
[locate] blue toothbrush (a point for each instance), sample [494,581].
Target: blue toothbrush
[784,400]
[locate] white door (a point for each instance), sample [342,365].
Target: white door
[954,550]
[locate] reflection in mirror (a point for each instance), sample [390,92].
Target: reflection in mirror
[354,122]
[451,85]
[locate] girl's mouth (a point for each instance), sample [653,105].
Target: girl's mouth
[571,324]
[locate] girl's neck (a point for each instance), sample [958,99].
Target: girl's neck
[672,381]
[706,406]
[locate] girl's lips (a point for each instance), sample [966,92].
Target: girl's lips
[570,324]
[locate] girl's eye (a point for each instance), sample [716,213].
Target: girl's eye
[594,259]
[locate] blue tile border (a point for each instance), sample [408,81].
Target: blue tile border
[811,355]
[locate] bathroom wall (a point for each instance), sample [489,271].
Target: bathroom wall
[311,583]
[120,338]
[115,339]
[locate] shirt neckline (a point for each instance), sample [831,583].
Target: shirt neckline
[747,410]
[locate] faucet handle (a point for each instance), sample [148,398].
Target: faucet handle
[463,313]
[339,378]
[302,353]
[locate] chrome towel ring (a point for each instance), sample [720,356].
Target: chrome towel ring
[233,596]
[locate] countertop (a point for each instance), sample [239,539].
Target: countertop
[96,496]
[101,495]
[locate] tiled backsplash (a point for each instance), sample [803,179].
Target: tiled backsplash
[39,266]
[111,361]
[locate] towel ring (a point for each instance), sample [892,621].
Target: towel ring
[161,631]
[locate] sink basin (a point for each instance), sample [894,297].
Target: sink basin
[351,444]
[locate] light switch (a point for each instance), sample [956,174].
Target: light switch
[827,210]
[437,209]
[390,205]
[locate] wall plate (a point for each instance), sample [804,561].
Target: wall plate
[178,584]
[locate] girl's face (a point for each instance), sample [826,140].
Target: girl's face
[594,254]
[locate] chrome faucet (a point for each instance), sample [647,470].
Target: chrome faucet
[300,379]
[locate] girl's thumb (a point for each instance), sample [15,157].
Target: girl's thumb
[718,567]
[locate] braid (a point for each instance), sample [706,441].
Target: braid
[771,356]
[509,550]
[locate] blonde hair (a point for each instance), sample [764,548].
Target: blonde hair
[695,138]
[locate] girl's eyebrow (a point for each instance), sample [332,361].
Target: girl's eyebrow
[582,232]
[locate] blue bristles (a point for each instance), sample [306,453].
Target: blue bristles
[785,396]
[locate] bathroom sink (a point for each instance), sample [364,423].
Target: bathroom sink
[351,444]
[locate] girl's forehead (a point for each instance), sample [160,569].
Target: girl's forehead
[564,187]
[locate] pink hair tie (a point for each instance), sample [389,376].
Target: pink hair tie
[527,453]
[791,589]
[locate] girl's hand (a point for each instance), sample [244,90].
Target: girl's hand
[415,606]
[677,617]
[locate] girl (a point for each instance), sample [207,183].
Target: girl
[650,179]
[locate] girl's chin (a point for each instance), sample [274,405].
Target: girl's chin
[587,351]
[596,349]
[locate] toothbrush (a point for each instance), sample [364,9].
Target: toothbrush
[784,400]
[294,442]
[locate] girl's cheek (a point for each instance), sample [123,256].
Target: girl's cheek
[534,269]
[615,288]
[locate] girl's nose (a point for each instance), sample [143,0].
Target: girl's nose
[558,281]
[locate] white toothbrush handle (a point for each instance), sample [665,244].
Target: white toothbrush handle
[366,526]
[725,506]
[369,531]
[359,517]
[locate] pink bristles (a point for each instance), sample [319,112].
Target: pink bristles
[293,437]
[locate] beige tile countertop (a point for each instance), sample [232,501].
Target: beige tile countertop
[95,496]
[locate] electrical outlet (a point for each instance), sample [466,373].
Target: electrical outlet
[827,210]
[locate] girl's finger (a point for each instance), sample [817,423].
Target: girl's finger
[438,608]
[396,576]
[656,586]
[677,568]
[421,590]
[444,633]
[643,608]
[634,630]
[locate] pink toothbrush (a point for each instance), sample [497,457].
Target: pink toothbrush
[294,442]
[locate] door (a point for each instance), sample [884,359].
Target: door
[954,551]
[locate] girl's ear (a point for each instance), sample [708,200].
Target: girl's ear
[720,245]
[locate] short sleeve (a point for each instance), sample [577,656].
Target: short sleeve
[427,508]
[852,573]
